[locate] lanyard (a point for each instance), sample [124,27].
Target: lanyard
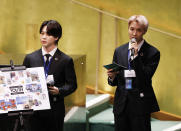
[129,56]
[129,80]
[47,68]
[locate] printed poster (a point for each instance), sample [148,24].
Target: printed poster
[24,89]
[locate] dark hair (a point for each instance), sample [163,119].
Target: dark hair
[53,29]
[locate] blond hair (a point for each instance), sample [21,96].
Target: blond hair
[139,19]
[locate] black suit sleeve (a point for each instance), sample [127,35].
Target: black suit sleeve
[147,69]
[26,62]
[70,80]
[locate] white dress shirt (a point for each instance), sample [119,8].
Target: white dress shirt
[51,53]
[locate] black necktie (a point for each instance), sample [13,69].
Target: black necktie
[47,60]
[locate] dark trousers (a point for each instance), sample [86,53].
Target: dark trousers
[48,120]
[47,124]
[6,124]
[128,120]
[12,123]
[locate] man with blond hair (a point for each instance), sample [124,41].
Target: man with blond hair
[134,97]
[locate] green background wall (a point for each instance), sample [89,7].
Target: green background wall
[20,21]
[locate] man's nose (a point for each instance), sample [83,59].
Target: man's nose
[134,33]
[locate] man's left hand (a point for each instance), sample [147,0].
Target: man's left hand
[53,90]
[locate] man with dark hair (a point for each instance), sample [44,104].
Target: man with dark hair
[53,29]
[134,97]
[61,66]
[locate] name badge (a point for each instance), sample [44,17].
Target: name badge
[128,83]
[129,73]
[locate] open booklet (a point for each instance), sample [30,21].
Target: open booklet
[115,67]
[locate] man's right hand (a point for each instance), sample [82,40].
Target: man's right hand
[111,74]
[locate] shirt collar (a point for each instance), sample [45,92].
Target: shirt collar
[51,52]
[139,45]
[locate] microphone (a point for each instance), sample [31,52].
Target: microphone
[133,40]
[50,83]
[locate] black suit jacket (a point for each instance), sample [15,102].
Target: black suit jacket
[145,65]
[62,68]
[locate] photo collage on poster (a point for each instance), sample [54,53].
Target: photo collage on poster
[23,89]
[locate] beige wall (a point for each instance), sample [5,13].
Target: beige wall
[20,21]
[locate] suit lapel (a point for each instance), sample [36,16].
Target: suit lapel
[55,59]
[142,49]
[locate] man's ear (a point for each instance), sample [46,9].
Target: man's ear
[56,38]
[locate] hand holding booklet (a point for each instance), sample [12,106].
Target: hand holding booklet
[115,67]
